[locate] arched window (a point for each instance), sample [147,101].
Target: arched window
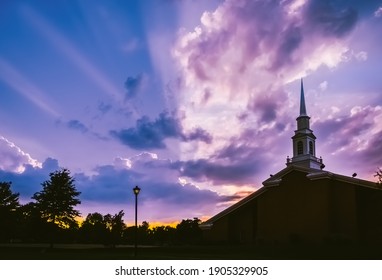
[311,151]
[300,148]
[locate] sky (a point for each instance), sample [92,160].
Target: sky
[193,101]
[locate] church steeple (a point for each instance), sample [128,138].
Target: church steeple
[302,101]
[304,141]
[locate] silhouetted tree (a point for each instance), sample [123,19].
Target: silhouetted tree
[56,202]
[378,174]
[34,227]
[8,200]
[94,230]
[188,231]
[57,199]
[107,230]
[116,227]
[9,204]
[142,233]
[163,235]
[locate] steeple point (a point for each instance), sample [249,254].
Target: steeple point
[302,101]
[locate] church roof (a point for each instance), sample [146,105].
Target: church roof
[275,180]
[315,174]
[233,207]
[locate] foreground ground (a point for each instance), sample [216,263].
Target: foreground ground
[93,252]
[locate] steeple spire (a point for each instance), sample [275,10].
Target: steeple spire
[302,101]
[304,141]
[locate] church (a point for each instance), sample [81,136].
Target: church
[302,203]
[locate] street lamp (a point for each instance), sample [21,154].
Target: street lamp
[136,191]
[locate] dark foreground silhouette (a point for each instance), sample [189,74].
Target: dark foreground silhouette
[205,252]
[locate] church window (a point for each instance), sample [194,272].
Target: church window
[300,149]
[311,151]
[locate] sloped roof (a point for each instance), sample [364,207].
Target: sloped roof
[233,207]
[274,180]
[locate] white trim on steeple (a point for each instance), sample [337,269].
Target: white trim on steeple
[304,141]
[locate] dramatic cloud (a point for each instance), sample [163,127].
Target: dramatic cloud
[149,134]
[13,159]
[235,65]
[354,138]
[111,186]
[238,163]
[160,184]
[372,154]
[29,180]
[342,131]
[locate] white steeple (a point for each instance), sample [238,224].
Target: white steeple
[304,141]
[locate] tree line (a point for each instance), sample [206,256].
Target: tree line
[52,218]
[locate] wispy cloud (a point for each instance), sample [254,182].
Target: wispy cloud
[378,12]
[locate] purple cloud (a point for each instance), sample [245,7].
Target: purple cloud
[372,154]
[341,131]
[111,186]
[149,134]
[13,158]
[332,18]
[29,181]
[77,125]
[237,163]
[133,85]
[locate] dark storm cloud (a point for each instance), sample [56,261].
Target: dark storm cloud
[133,85]
[149,134]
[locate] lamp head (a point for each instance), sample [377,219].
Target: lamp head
[136,190]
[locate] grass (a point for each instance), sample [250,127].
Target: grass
[98,252]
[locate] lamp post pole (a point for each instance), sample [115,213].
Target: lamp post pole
[136,191]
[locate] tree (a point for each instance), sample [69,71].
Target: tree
[94,230]
[116,226]
[9,204]
[378,174]
[107,230]
[188,231]
[8,200]
[58,198]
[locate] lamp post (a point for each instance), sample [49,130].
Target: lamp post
[136,191]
